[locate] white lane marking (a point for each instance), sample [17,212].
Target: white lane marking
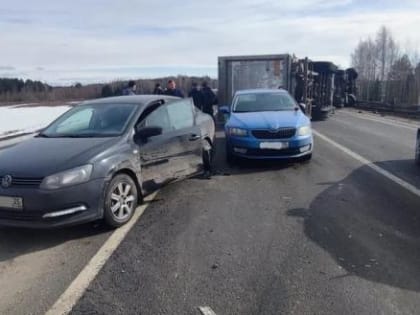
[370,164]
[394,123]
[74,292]
[206,310]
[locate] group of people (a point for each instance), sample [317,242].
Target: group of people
[203,97]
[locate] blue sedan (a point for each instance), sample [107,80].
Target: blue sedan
[267,124]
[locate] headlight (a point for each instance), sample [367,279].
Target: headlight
[304,131]
[238,132]
[71,177]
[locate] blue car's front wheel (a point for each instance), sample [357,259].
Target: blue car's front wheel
[231,159]
[306,158]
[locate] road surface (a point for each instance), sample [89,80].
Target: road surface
[333,236]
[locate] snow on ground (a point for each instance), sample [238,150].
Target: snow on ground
[17,120]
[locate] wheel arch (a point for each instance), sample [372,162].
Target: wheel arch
[133,176]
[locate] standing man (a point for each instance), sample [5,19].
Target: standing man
[158,89]
[171,89]
[208,98]
[196,96]
[130,89]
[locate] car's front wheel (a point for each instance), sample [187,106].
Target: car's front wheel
[230,158]
[120,200]
[306,158]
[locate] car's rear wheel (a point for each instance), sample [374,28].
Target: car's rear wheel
[120,200]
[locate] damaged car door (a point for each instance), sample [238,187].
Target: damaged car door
[169,144]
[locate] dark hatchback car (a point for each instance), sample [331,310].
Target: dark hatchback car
[100,158]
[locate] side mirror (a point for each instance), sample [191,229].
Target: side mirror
[224,109]
[142,134]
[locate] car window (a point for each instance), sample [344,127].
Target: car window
[96,120]
[158,118]
[258,102]
[79,121]
[181,114]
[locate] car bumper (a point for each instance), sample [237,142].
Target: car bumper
[250,148]
[55,208]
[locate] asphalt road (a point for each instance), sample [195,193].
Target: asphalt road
[327,237]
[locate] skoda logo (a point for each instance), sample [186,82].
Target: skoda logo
[6,181]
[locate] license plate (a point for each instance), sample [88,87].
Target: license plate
[11,203]
[274,145]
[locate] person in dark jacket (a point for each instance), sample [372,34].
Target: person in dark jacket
[172,90]
[130,89]
[208,98]
[158,89]
[196,96]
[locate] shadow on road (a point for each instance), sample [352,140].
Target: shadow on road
[405,169]
[15,242]
[370,226]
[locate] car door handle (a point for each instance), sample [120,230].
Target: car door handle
[194,137]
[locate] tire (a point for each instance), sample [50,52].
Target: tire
[123,191]
[230,158]
[306,158]
[208,156]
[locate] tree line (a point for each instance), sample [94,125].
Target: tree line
[387,73]
[18,90]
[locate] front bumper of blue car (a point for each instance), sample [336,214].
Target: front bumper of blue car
[253,148]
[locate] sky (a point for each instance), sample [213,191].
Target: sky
[63,42]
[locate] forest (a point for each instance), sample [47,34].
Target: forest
[388,72]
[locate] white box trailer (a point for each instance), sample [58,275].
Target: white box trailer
[312,83]
[251,72]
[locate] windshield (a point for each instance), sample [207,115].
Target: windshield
[263,102]
[97,120]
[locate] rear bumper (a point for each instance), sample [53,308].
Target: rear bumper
[55,208]
[249,148]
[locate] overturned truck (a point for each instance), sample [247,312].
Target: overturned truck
[320,85]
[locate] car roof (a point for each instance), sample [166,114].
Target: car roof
[260,91]
[131,99]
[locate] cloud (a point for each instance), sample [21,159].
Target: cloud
[71,39]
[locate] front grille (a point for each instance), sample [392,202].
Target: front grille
[282,133]
[25,182]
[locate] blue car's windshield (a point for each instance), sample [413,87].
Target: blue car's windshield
[95,120]
[263,102]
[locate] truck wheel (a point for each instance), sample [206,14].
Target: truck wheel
[120,200]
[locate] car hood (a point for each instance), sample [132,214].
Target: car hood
[268,120]
[40,157]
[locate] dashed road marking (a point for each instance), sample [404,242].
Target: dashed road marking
[206,310]
[393,123]
[370,164]
[74,292]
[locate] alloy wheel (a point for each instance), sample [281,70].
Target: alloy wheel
[122,201]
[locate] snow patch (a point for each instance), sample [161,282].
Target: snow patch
[20,120]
